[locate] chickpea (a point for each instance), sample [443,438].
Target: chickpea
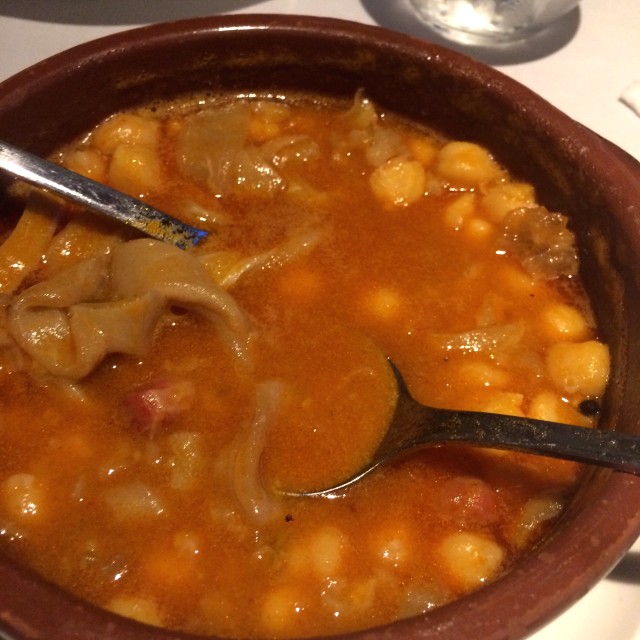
[135,169]
[262,130]
[498,200]
[326,551]
[535,512]
[398,181]
[460,210]
[484,374]
[471,558]
[172,566]
[563,322]
[267,120]
[126,129]
[579,367]
[363,594]
[87,162]
[545,406]
[322,552]
[506,403]
[548,405]
[423,149]
[22,496]
[216,604]
[466,165]
[138,608]
[515,281]
[393,545]
[383,303]
[280,608]
[478,230]
[271,111]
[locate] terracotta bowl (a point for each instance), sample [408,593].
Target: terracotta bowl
[573,170]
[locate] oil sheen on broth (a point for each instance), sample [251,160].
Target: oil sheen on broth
[155,402]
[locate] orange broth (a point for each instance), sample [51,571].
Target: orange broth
[152,485]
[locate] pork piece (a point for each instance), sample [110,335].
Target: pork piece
[154,407]
[472,501]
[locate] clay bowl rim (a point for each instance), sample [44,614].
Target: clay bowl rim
[502,610]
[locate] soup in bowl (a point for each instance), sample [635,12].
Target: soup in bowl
[368,197]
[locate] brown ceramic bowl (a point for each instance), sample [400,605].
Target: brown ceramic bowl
[574,171]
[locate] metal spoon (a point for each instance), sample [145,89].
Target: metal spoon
[98,197]
[414,426]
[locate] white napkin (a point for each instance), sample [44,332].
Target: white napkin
[631,97]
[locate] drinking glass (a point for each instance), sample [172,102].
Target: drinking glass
[489,22]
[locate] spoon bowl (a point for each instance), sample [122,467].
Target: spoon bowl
[415,426]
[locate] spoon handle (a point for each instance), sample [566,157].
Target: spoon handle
[620,451]
[97,197]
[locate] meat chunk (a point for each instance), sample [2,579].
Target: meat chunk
[156,406]
[472,501]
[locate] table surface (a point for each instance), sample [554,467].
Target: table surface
[581,65]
